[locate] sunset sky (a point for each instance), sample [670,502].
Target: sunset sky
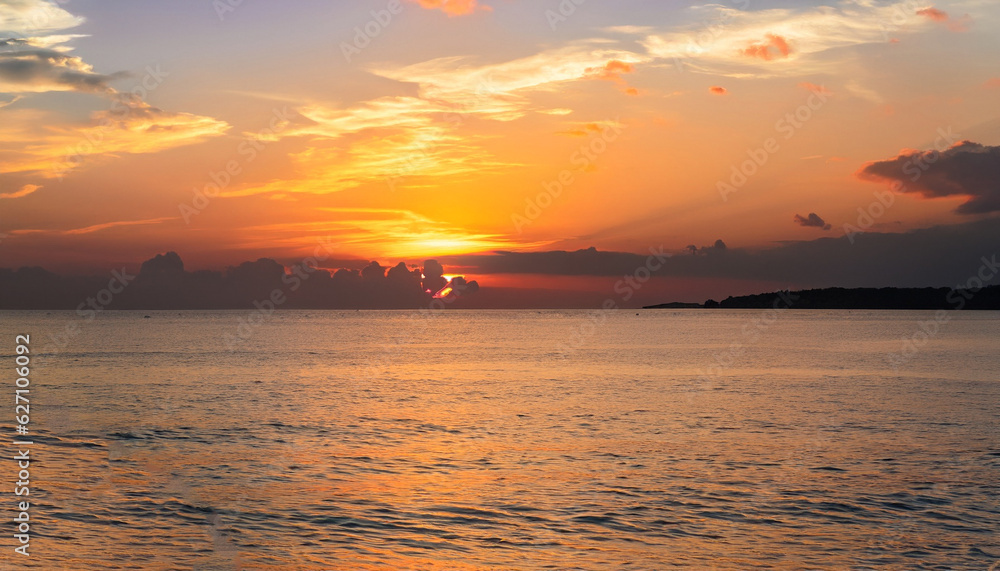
[493,134]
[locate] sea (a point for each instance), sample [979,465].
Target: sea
[505,440]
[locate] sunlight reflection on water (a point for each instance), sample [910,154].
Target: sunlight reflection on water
[473,444]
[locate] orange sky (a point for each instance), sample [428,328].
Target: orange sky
[129,128]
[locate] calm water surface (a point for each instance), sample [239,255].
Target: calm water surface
[511,441]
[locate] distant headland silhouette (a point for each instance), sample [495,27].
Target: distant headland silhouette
[987,298]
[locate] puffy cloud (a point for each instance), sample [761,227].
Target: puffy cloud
[38,70]
[960,25]
[812,221]
[453,7]
[934,14]
[32,17]
[35,60]
[716,90]
[612,71]
[966,169]
[773,47]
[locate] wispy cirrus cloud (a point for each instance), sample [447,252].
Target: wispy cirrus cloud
[770,42]
[93,228]
[411,136]
[36,142]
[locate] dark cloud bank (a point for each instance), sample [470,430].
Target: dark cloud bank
[163,283]
[937,256]
[941,256]
[965,169]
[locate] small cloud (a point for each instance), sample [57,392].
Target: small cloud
[774,47]
[612,71]
[818,89]
[812,221]
[960,25]
[557,111]
[583,130]
[716,90]
[717,248]
[454,7]
[934,14]
[25,191]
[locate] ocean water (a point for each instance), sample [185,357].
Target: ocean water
[509,440]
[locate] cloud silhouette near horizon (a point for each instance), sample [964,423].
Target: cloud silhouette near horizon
[966,169]
[162,282]
[812,221]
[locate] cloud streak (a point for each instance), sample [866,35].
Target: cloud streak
[25,191]
[764,43]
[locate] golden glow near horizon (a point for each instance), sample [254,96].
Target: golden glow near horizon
[467,127]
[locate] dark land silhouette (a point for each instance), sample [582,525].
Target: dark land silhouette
[929,298]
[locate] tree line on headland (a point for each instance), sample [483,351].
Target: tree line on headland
[987,298]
